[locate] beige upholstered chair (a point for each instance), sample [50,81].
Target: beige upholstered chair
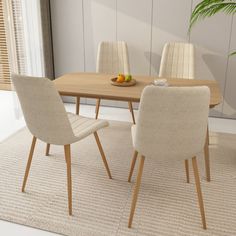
[112,58]
[170,127]
[47,120]
[177,61]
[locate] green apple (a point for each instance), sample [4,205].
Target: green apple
[128,78]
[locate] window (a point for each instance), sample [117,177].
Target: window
[4,59]
[18,31]
[25,39]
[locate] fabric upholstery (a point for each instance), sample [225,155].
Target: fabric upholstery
[83,126]
[177,61]
[112,58]
[45,114]
[169,125]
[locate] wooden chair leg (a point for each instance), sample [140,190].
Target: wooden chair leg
[47,149]
[208,138]
[207,157]
[132,111]
[129,106]
[199,192]
[77,105]
[102,154]
[29,163]
[132,165]
[97,107]
[136,191]
[69,182]
[187,170]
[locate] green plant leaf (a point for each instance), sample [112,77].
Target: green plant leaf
[232,53]
[208,8]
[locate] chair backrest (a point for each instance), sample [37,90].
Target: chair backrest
[112,58]
[177,61]
[169,125]
[44,112]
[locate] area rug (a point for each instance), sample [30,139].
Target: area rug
[167,205]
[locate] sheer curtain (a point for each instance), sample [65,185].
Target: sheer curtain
[29,39]
[37,37]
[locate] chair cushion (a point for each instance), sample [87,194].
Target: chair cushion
[83,126]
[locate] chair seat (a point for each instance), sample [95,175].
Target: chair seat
[83,126]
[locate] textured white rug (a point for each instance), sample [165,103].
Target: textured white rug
[166,205]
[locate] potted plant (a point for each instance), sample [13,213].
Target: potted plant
[208,8]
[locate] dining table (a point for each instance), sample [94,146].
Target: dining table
[95,85]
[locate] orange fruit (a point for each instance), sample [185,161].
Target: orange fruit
[120,78]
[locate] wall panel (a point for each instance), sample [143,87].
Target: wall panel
[169,25]
[134,27]
[67,29]
[99,25]
[67,34]
[229,105]
[212,38]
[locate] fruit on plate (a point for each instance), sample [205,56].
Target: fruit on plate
[120,78]
[128,78]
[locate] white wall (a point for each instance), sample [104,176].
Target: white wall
[79,25]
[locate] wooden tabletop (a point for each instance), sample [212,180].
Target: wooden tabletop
[92,85]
